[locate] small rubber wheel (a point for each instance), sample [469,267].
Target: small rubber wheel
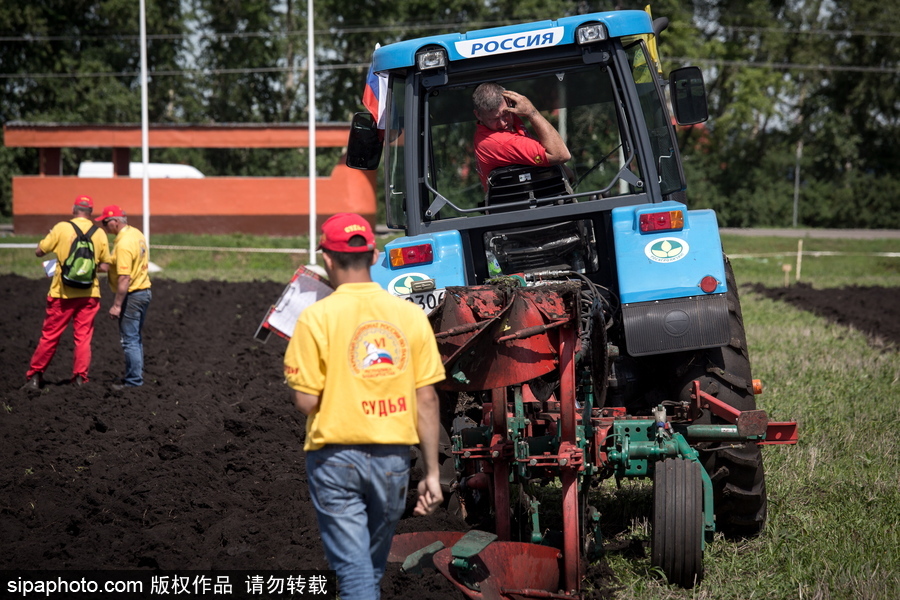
[677,546]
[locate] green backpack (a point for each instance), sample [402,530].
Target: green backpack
[80,266]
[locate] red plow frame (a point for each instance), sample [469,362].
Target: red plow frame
[494,340]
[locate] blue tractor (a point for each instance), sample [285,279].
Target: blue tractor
[589,321]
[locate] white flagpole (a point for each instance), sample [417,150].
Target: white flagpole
[145,128]
[311,66]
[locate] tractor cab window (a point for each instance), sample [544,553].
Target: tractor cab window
[662,140]
[580,103]
[395,192]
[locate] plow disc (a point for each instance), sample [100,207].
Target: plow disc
[496,336]
[505,570]
[480,566]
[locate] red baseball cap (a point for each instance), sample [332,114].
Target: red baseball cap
[338,229]
[110,211]
[84,202]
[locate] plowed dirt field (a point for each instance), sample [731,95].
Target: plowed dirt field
[202,468]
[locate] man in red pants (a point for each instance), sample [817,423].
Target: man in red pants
[64,303]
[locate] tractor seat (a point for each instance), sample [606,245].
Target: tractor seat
[522,182]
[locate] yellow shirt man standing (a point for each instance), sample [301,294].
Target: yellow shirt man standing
[129,278]
[362,365]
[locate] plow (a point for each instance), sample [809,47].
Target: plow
[523,355]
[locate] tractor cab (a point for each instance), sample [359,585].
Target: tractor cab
[593,77]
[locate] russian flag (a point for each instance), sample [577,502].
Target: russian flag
[374,94]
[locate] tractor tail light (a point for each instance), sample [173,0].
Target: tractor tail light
[662,221]
[412,255]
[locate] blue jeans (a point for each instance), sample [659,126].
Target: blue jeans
[359,493]
[131,322]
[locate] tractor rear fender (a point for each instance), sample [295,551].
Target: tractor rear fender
[408,263]
[665,251]
[671,278]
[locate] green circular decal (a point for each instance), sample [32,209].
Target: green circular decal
[666,250]
[402,285]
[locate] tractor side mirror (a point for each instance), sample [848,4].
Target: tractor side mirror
[364,145]
[688,96]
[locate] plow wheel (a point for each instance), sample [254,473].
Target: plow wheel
[677,546]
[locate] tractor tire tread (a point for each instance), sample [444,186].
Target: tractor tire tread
[740,495]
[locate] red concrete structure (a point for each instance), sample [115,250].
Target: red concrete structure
[256,205]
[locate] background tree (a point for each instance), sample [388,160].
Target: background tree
[247,61]
[802,93]
[809,94]
[76,61]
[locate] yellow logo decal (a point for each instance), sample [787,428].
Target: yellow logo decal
[378,349]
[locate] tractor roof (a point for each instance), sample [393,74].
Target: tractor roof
[511,38]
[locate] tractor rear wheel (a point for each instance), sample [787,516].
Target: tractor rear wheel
[739,486]
[677,546]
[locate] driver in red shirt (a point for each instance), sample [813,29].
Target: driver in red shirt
[500,135]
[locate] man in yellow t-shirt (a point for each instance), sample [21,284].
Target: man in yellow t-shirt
[64,303]
[363,364]
[129,279]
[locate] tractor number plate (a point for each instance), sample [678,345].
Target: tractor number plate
[427,300]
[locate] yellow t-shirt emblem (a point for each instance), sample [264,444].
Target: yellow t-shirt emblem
[378,349]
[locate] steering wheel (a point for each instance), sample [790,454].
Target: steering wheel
[594,167]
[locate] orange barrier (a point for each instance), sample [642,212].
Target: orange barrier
[263,206]
[259,135]
[221,205]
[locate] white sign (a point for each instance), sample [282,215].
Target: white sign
[511,42]
[428,301]
[304,289]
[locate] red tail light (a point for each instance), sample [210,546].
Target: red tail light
[661,221]
[412,255]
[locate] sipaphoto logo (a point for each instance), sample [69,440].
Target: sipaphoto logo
[666,250]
